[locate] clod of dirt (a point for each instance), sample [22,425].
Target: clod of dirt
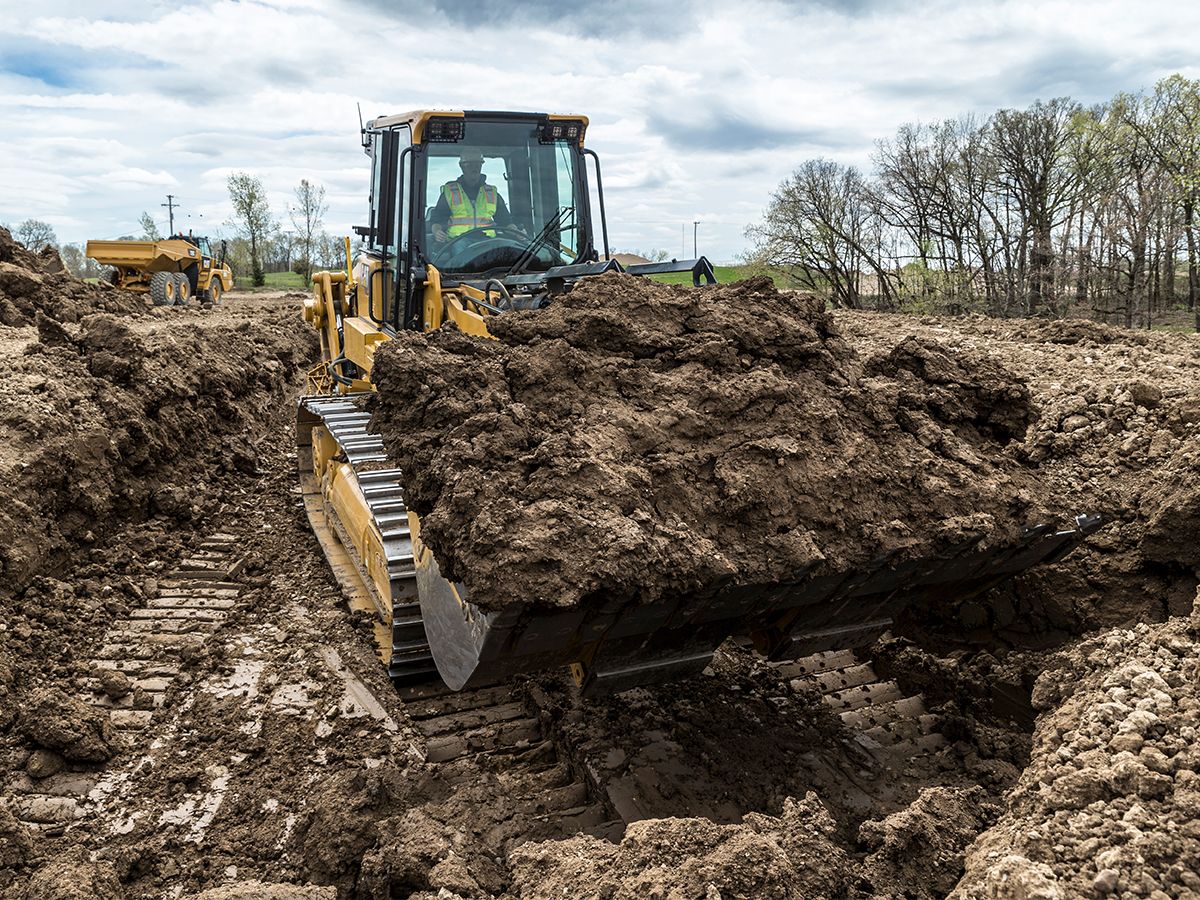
[74,877]
[43,763]
[922,844]
[113,350]
[258,890]
[1174,517]
[56,721]
[787,858]
[639,439]
[16,843]
[114,684]
[417,853]
[341,826]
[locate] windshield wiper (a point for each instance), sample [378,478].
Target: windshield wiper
[530,252]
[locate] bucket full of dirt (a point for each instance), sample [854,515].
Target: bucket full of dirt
[638,471]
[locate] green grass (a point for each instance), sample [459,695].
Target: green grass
[286,281]
[275,281]
[725,274]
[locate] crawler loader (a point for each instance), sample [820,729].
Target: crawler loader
[414,273]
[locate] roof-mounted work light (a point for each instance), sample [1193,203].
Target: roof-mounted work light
[570,130]
[444,131]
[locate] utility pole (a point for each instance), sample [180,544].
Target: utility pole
[695,226]
[170,205]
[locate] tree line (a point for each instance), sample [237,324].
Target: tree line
[1052,210]
[259,243]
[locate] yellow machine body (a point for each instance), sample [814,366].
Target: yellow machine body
[136,262]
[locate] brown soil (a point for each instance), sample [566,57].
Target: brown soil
[636,440]
[39,283]
[1110,803]
[1115,431]
[274,759]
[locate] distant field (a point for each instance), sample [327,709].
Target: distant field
[282,281]
[724,274]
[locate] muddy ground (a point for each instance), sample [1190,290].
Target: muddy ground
[189,710]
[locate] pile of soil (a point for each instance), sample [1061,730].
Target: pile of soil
[109,420]
[1115,432]
[637,440]
[1110,802]
[117,419]
[39,282]
[799,854]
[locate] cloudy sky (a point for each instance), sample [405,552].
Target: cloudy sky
[697,109]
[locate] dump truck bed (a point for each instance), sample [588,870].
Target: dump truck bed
[150,256]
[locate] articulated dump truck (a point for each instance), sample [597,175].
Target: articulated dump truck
[172,271]
[433,256]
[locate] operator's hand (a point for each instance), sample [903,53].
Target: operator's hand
[439,234]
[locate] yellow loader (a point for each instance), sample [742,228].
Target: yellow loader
[416,273]
[172,271]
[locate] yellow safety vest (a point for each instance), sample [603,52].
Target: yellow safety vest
[465,214]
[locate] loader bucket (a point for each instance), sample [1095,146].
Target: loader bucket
[619,643]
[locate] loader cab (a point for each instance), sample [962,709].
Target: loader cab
[533,169]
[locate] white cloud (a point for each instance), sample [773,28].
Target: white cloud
[698,110]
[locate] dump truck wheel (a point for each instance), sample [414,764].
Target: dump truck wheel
[162,288]
[183,289]
[214,292]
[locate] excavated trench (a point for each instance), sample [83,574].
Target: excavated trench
[188,709]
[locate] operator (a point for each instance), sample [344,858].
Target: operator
[469,202]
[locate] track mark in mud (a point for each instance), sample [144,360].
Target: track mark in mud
[824,722]
[495,729]
[137,661]
[891,726]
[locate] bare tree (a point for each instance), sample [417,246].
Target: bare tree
[1047,210]
[73,258]
[149,229]
[819,228]
[36,235]
[1172,133]
[252,218]
[1030,146]
[307,216]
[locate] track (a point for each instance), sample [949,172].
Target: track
[409,661]
[189,605]
[891,726]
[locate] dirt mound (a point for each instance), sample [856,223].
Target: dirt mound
[916,852]
[794,855]
[1114,765]
[39,283]
[1117,417]
[638,439]
[102,422]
